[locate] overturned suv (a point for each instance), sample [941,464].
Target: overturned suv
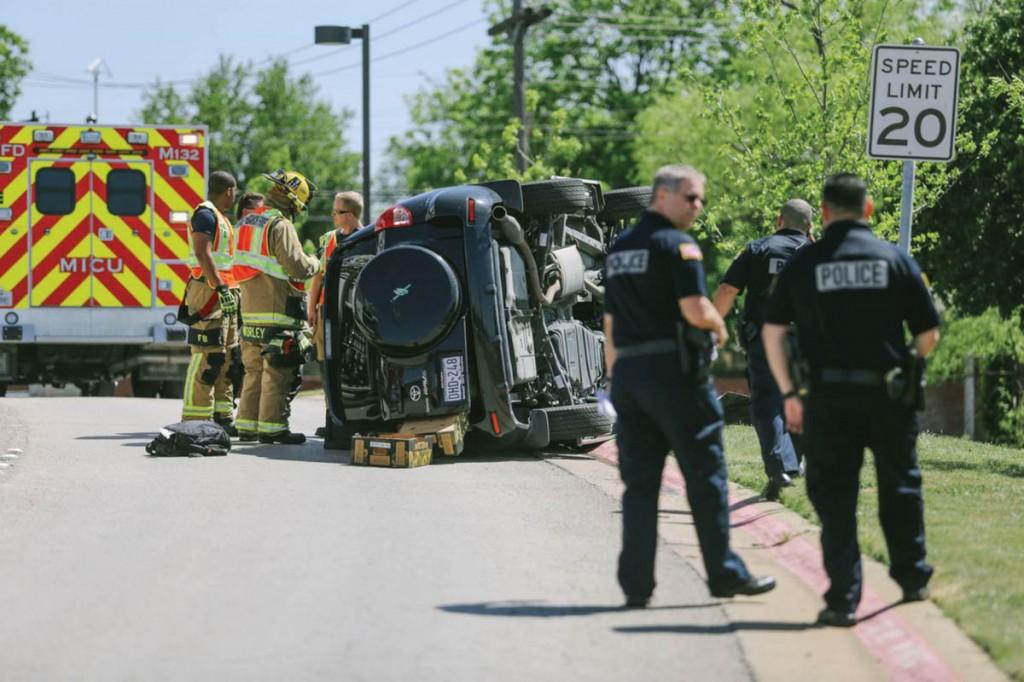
[477,303]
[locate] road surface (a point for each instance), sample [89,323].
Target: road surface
[283,562]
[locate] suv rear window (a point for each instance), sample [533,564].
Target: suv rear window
[126,191]
[55,191]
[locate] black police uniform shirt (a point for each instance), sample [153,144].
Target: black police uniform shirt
[204,220]
[649,268]
[757,266]
[850,294]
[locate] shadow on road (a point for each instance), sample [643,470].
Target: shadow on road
[121,436]
[531,609]
[723,629]
[878,611]
[310,451]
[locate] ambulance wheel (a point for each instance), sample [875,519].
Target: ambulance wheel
[174,390]
[142,388]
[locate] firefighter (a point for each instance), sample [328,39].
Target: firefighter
[210,308]
[271,269]
[348,207]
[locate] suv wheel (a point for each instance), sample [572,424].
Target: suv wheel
[556,196]
[625,203]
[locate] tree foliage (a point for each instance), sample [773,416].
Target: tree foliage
[790,109]
[977,229]
[591,67]
[261,119]
[14,65]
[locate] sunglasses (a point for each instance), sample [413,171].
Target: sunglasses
[694,198]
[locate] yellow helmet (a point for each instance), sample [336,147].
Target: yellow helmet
[295,186]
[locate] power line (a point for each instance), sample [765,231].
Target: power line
[390,11]
[406,49]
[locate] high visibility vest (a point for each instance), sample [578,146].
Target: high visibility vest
[223,247]
[329,246]
[252,249]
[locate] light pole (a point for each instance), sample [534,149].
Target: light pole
[95,66]
[343,35]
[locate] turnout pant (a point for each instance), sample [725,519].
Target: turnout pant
[660,410]
[778,449]
[267,393]
[838,427]
[214,339]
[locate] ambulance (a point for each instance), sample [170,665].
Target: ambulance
[94,226]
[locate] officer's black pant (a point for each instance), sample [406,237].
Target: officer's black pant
[838,427]
[778,447]
[660,410]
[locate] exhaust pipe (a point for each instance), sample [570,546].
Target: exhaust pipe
[513,233]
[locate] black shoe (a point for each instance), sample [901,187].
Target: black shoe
[755,585]
[321,432]
[637,602]
[226,423]
[776,483]
[283,437]
[918,594]
[839,619]
[248,437]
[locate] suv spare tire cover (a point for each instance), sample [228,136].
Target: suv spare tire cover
[406,298]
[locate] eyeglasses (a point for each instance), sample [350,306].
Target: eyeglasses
[694,198]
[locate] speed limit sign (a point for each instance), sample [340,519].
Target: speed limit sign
[914,91]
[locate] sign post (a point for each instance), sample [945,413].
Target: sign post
[914,93]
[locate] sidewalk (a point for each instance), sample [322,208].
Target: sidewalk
[892,641]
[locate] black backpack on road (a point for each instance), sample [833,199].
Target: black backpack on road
[190,439]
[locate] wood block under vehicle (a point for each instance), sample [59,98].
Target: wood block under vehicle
[397,450]
[449,432]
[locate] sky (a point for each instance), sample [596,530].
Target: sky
[140,40]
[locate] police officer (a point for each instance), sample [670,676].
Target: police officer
[654,298]
[271,269]
[210,307]
[851,295]
[755,270]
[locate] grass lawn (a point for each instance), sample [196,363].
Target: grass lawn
[974,519]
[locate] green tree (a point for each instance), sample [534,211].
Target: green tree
[14,65]
[261,119]
[976,229]
[591,68]
[789,109]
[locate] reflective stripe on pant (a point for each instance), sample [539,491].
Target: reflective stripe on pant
[266,393]
[207,384]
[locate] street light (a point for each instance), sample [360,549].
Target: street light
[343,35]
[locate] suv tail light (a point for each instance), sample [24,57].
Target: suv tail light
[396,216]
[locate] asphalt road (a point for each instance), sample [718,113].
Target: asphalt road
[287,563]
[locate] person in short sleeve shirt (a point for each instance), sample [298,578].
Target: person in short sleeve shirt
[754,271]
[654,282]
[854,298]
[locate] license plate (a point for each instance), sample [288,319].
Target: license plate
[453,379]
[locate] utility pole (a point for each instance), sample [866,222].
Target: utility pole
[516,26]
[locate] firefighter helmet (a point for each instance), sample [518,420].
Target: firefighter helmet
[295,186]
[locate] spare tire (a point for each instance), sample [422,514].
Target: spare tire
[555,196]
[625,203]
[406,298]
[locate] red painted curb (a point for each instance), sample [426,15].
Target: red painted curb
[903,653]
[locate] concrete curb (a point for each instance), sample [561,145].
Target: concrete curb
[908,642]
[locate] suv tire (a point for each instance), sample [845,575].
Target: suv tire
[556,196]
[625,203]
